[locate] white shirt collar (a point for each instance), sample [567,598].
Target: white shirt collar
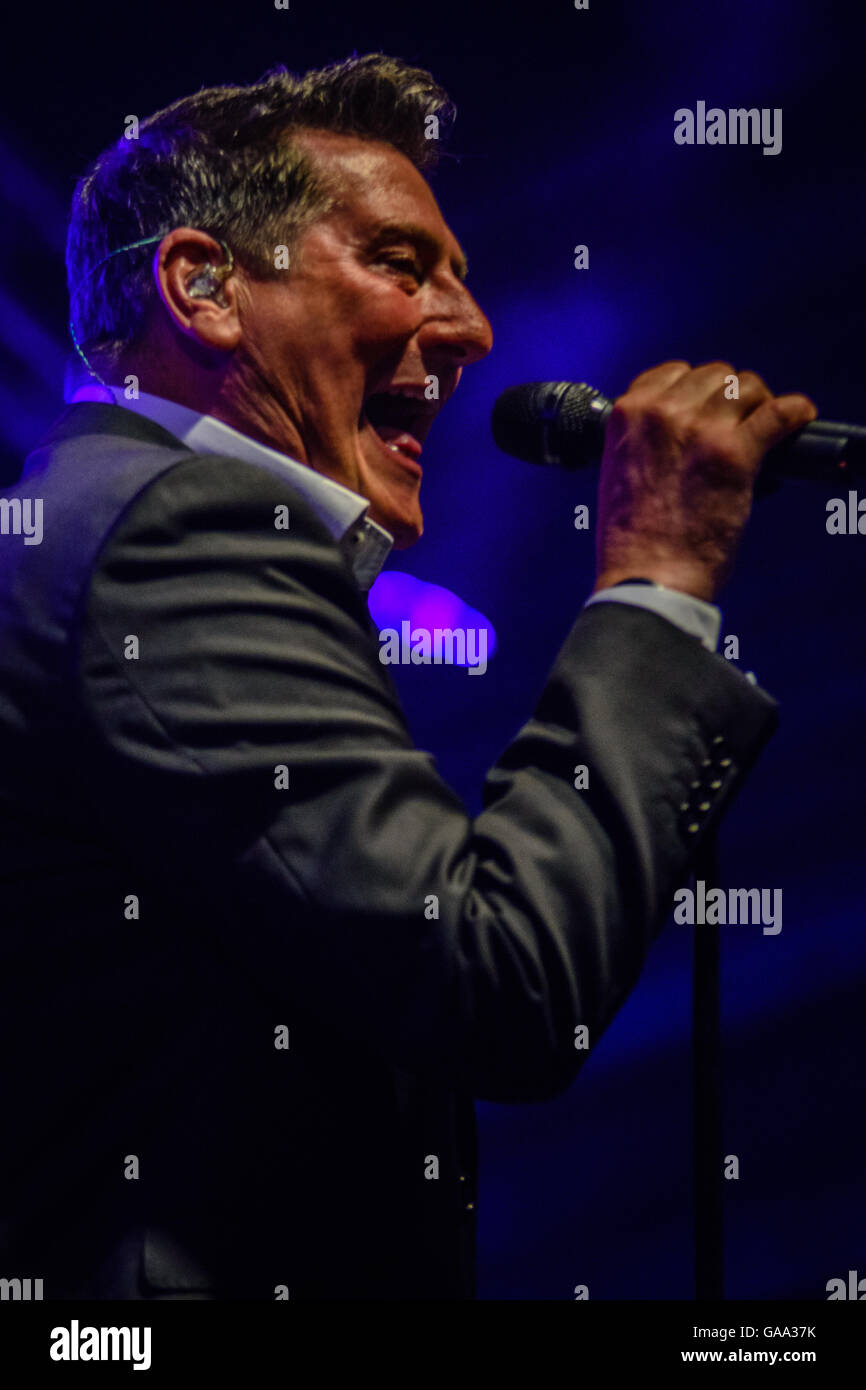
[365,543]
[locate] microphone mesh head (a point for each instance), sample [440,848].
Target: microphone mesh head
[549,422]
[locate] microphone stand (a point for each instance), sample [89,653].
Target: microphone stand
[706,1083]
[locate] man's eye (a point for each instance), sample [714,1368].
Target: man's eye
[406,265]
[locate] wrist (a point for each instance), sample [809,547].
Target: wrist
[682,577]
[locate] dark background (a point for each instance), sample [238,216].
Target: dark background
[565,136]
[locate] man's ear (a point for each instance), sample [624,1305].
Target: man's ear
[198,286]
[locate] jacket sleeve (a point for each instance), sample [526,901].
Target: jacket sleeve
[248,748]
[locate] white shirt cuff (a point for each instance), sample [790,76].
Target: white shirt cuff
[692,615]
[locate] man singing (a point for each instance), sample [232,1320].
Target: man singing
[257,959]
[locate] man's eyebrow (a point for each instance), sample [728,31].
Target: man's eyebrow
[410,231]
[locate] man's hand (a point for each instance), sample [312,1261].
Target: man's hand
[680,461]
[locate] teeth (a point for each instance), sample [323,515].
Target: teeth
[412,393]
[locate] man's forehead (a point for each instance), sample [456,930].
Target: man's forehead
[354,158]
[374,180]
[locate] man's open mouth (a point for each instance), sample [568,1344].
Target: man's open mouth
[400,417]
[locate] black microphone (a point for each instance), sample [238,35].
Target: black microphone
[563,423]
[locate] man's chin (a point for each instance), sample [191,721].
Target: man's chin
[396,506]
[406,537]
[406,529]
[392,490]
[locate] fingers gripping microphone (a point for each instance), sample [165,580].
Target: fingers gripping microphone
[563,423]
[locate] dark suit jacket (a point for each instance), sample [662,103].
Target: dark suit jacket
[167,906]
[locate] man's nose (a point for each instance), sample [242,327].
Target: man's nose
[461,331]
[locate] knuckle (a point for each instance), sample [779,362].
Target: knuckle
[641,416]
[661,371]
[782,412]
[717,367]
[803,406]
[754,383]
[658,413]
